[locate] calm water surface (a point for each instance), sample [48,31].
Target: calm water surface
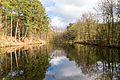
[60,62]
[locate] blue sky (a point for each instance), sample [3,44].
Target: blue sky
[62,12]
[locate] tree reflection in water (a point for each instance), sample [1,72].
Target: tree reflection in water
[24,63]
[79,62]
[104,62]
[60,62]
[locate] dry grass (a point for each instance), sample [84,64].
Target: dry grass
[8,42]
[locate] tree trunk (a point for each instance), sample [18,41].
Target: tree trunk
[112,17]
[11,27]
[16,57]
[26,32]
[6,24]
[16,29]
[108,36]
[40,34]
[19,35]
[112,27]
[119,37]
[0,13]
[35,31]
[0,19]
[47,36]
[11,64]
[23,32]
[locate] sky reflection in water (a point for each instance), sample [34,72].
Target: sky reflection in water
[63,69]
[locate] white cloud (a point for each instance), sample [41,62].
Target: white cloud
[66,11]
[57,21]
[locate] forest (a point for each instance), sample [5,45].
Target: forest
[101,28]
[22,20]
[26,20]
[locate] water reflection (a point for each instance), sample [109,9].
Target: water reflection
[92,60]
[79,62]
[60,62]
[26,63]
[64,69]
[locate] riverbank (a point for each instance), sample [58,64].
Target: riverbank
[8,42]
[14,48]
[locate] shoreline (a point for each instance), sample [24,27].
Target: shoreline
[24,46]
[21,44]
[11,43]
[104,46]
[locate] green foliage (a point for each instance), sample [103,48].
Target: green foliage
[70,25]
[30,13]
[70,34]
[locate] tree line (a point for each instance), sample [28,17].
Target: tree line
[102,28]
[23,18]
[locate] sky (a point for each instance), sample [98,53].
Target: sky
[63,12]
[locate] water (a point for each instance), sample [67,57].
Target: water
[60,62]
